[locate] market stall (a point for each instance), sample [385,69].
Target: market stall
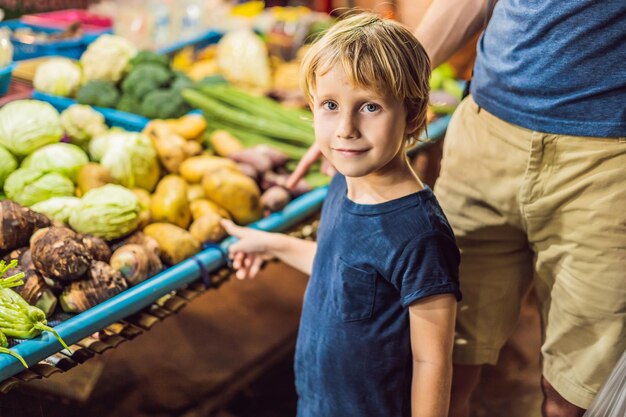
[155,127]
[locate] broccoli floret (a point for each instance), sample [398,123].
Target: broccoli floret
[145,78]
[98,93]
[129,104]
[181,81]
[146,56]
[163,104]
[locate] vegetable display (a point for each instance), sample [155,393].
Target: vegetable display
[89,218]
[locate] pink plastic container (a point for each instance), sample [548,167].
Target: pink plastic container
[63,18]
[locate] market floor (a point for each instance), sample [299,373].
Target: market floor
[229,354]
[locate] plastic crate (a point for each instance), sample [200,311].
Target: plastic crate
[203,40]
[70,48]
[127,121]
[62,19]
[5,78]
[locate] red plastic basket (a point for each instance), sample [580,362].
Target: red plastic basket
[61,19]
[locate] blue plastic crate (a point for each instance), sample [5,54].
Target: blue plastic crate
[127,121]
[5,78]
[70,48]
[203,40]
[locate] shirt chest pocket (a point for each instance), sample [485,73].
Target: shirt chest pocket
[353,292]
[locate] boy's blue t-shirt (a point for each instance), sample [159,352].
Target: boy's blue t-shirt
[555,66]
[353,355]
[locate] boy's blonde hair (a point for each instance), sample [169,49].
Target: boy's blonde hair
[374,53]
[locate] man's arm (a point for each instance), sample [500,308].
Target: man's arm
[432,334]
[450,24]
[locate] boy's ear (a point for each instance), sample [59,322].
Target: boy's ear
[412,125]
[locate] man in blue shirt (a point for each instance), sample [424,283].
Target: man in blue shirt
[532,180]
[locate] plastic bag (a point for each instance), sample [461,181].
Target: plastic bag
[611,400]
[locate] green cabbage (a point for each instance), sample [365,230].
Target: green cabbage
[8,164]
[58,208]
[109,212]
[26,125]
[129,157]
[63,158]
[81,123]
[28,186]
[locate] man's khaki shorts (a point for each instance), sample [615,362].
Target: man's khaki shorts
[550,209]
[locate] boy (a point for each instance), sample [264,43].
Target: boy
[377,324]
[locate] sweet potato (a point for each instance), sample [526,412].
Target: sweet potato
[259,161]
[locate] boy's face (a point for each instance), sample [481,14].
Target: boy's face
[359,130]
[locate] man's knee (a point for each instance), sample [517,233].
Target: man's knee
[554,405]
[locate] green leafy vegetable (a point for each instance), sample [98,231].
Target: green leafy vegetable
[26,125]
[28,186]
[64,158]
[109,212]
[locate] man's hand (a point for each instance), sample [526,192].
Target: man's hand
[309,158]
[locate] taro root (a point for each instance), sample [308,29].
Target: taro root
[59,253]
[34,290]
[136,263]
[97,248]
[102,283]
[139,238]
[17,224]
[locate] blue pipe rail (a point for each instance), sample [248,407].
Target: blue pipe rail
[138,297]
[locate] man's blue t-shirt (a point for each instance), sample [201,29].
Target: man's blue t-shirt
[555,66]
[353,355]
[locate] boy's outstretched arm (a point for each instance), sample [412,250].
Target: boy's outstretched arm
[432,335]
[254,246]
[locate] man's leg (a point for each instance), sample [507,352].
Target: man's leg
[483,165]
[464,381]
[554,405]
[573,202]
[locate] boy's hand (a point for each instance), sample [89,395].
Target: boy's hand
[249,252]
